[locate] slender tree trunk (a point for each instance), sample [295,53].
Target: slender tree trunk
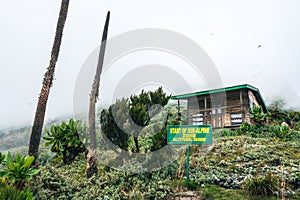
[47,83]
[91,160]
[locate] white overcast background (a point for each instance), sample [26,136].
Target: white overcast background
[250,41]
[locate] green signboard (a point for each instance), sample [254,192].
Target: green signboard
[189,134]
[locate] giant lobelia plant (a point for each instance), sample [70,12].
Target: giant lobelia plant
[17,172]
[38,123]
[257,115]
[92,167]
[65,139]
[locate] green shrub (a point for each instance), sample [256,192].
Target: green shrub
[11,193]
[293,136]
[245,127]
[112,121]
[159,139]
[266,131]
[259,131]
[280,132]
[65,140]
[17,172]
[297,126]
[262,186]
[227,133]
[257,115]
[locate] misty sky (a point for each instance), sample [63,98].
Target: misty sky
[252,41]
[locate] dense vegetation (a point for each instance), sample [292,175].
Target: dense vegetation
[260,160]
[65,140]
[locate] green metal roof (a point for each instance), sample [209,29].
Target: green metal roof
[226,89]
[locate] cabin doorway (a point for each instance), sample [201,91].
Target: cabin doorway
[217,118]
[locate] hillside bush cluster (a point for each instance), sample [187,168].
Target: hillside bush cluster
[238,160]
[284,133]
[16,175]
[60,181]
[262,186]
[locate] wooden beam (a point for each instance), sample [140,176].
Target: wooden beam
[242,107]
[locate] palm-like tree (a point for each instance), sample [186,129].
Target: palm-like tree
[91,159]
[47,83]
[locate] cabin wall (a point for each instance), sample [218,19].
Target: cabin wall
[220,110]
[252,101]
[199,110]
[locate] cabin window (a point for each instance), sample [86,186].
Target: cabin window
[208,103]
[217,110]
[201,103]
[236,118]
[213,111]
[197,119]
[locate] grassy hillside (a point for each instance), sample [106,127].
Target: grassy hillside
[257,161]
[223,174]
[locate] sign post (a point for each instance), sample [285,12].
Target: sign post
[187,166]
[189,135]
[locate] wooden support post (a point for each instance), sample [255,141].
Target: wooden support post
[242,107]
[178,106]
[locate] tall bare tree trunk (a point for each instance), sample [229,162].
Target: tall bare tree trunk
[91,158]
[47,83]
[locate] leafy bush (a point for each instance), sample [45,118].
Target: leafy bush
[277,113]
[297,126]
[159,139]
[112,121]
[293,136]
[11,193]
[245,127]
[143,107]
[65,140]
[280,132]
[257,115]
[258,130]
[17,172]
[266,131]
[226,133]
[265,185]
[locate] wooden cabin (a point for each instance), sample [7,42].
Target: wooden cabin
[222,108]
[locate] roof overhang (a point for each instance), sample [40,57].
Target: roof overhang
[226,89]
